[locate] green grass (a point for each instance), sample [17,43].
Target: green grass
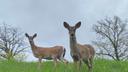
[99,66]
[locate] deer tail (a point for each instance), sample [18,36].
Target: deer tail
[64,52]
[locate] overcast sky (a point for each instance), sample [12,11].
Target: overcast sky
[46,17]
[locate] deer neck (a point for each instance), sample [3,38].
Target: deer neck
[33,46]
[73,44]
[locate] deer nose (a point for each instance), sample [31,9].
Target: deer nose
[72,34]
[30,40]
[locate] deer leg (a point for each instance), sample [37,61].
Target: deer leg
[80,64]
[76,66]
[39,63]
[55,61]
[55,64]
[87,62]
[89,65]
[63,60]
[76,61]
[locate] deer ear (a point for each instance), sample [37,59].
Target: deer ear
[34,35]
[66,25]
[26,35]
[78,25]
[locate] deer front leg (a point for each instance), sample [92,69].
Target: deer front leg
[39,63]
[55,64]
[80,64]
[55,60]
[76,66]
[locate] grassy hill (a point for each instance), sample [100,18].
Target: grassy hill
[99,66]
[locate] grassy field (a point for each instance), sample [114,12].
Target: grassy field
[99,66]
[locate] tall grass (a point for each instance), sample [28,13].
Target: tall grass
[99,66]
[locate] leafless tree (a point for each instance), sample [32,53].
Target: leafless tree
[112,38]
[11,42]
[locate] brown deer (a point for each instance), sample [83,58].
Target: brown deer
[80,52]
[56,52]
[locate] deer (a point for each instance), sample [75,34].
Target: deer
[80,53]
[49,53]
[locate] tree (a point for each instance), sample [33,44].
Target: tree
[112,39]
[11,42]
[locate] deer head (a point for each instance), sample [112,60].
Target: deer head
[72,29]
[30,38]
